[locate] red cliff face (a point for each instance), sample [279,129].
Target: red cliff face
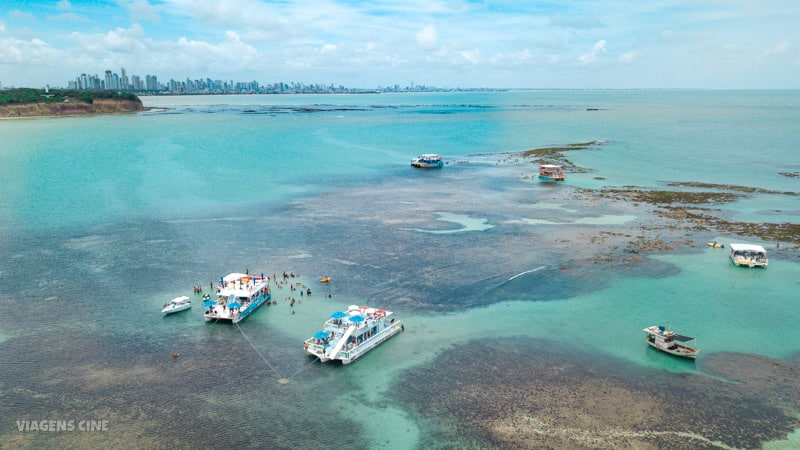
[72,107]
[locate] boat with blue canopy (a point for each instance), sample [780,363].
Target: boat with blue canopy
[346,336]
[238,295]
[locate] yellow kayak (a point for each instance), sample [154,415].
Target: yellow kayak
[325,280]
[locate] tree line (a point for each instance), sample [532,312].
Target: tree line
[21,96]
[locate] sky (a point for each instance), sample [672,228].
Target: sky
[549,44]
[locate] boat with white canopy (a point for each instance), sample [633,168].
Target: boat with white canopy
[748,255]
[238,295]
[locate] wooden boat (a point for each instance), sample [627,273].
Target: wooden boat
[670,342]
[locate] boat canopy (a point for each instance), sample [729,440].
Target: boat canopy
[180,299]
[747,248]
[682,338]
[235,276]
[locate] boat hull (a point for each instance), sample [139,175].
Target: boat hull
[550,179]
[348,356]
[745,262]
[678,350]
[419,165]
[176,309]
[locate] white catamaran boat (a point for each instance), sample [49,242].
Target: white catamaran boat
[238,295]
[181,303]
[347,336]
[668,341]
[748,255]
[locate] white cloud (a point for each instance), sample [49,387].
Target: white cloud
[140,10]
[471,56]
[592,55]
[386,41]
[781,48]
[232,36]
[521,57]
[629,57]
[428,38]
[19,15]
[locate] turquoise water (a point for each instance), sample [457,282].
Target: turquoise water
[106,218]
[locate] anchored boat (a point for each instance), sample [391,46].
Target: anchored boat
[668,341]
[346,336]
[181,303]
[427,161]
[748,255]
[238,295]
[551,172]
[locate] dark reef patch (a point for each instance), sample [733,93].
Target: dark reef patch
[522,393]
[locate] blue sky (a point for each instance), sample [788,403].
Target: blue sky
[730,44]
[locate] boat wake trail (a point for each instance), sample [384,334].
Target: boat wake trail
[520,274]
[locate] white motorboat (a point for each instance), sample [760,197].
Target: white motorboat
[181,303]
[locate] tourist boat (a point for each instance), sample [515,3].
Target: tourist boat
[551,172]
[181,303]
[348,336]
[668,341]
[238,295]
[748,255]
[428,161]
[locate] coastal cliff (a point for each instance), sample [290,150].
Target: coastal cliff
[71,107]
[24,102]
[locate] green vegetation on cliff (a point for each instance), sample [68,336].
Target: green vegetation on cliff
[21,96]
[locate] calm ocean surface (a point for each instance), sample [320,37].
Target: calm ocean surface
[103,219]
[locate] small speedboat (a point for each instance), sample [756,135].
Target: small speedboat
[325,280]
[181,303]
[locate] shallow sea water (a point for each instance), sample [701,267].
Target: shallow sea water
[106,218]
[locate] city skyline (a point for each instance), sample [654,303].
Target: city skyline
[732,44]
[150,84]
